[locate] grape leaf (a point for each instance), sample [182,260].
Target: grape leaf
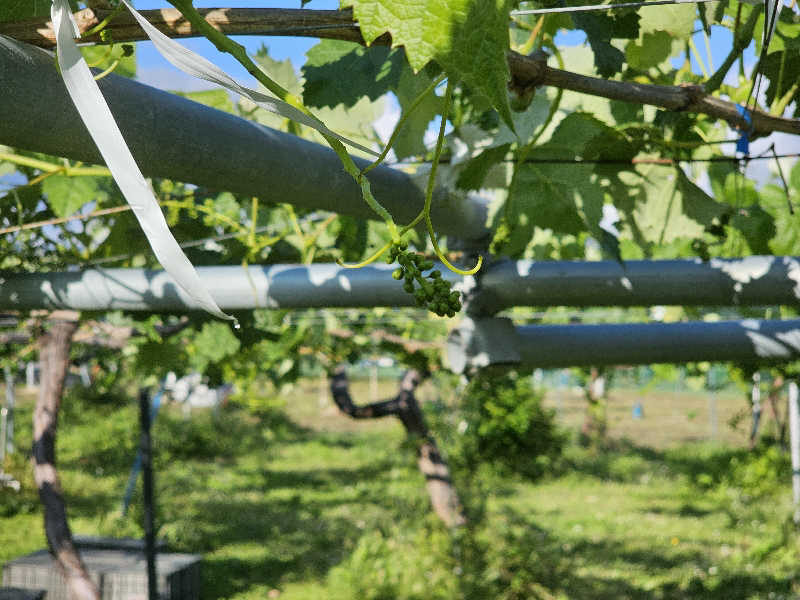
[351,237]
[578,129]
[469,38]
[218,98]
[600,30]
[757,226]
[475,170]
[782,69]
[786,240]
[342,72]
[676,20]
[669,206]
[226,205]
[65,195]
[356,122]
[15,10]
[281,71]
[410,139]
[100,58]
[214,342]
[650,50]
[552,196]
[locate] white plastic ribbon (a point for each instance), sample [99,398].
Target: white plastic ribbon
[610,219]
[772,12]
[100,122]
[197,66]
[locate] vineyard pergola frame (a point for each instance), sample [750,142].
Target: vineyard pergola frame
[176,138]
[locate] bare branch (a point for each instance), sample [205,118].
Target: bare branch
[334,24]
[527,72]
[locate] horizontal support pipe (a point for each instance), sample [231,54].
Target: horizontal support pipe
[479,343]
[755,280]
[749,340]
[233,288]
[173,137]
[739,282]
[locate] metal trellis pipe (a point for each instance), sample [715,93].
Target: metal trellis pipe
[173,137]
[478,343]
[759,280]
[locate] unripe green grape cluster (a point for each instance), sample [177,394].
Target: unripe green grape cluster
[431,290]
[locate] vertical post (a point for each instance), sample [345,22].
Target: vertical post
[145,420]
[3,425]
[8,412]
[30,374]
[755,402]
[86,379]
[794,440]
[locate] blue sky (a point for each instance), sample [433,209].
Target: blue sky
[295,48]
[155,71]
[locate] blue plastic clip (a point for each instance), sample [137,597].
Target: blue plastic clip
[743,143]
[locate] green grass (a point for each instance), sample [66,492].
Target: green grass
[297,498]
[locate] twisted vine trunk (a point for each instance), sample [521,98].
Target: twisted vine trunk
[405,407]
[54,346]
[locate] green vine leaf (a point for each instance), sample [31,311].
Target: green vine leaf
[214,342]
[281,71]
[469,38]
[476,169]
[351,237]
[14,10]
[757,227]
[669,206]
[66,195]
[343,72]
[410,140]
[600,30]
[103,57]
[677,20]
[219,99]
[782,69]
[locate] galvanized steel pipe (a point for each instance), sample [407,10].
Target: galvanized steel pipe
[179,139]
[739,282]
[479,343]
[748,340]
[755,280]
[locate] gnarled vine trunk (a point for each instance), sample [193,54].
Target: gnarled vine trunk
[405,407]
[54,346]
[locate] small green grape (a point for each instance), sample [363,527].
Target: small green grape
[432,290]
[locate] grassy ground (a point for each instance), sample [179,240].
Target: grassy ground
[298,502]
[670,418]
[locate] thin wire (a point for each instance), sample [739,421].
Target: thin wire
[634,161]
[783,179]
[59,220]
[593,7]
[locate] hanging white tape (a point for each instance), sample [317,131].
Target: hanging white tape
[197,66]
[100,122]
[772,12]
